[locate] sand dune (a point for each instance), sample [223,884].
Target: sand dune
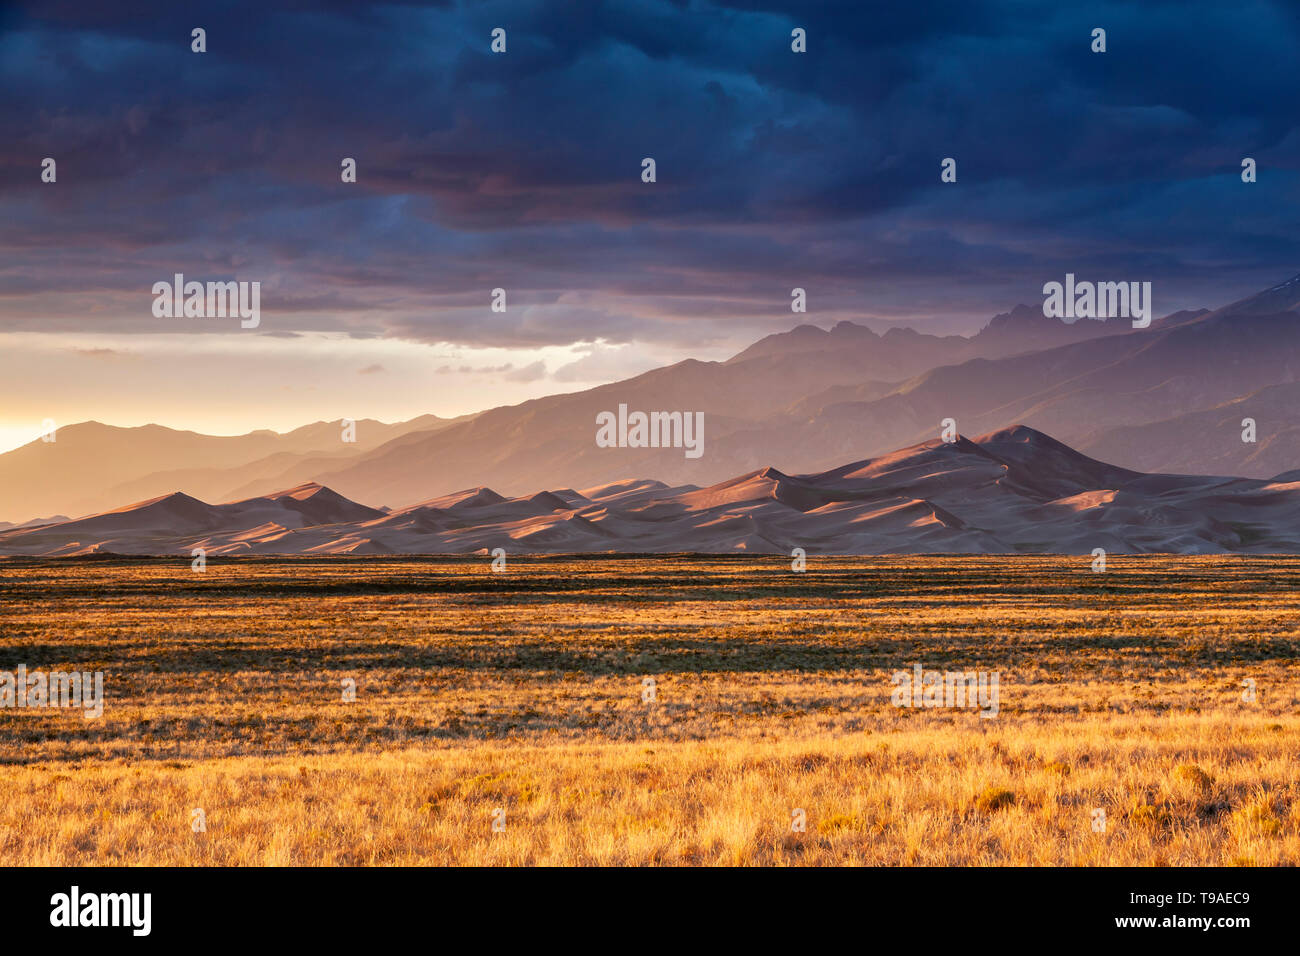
[1012,490]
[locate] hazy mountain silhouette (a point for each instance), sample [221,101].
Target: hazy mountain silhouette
[91,466]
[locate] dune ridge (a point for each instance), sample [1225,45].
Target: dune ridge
[1014,490]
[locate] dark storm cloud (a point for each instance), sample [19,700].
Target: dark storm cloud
[522,171]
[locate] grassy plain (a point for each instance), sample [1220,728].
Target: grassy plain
[522,692]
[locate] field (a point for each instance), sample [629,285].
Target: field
[521,697]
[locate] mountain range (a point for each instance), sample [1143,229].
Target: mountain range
[1167,399]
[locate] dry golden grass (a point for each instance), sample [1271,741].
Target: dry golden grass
[522,692]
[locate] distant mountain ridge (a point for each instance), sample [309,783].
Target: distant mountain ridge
[91,466]
[1023,329]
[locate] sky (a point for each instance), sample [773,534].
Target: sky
[522,170]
